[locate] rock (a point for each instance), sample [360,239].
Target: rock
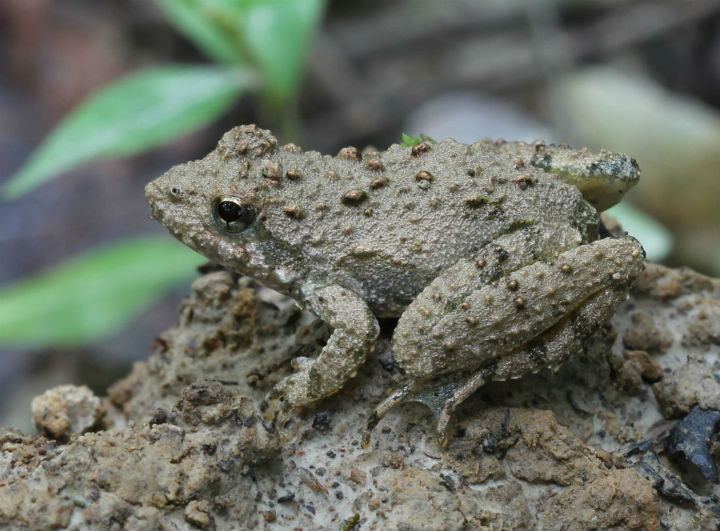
[704,325]
[644,335]
[198,513]
[691,437]
[190,448]
[686,387]
[649,369]
[357,476]
[65,410]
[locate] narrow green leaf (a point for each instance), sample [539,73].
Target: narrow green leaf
[211,29]
[92,295]
[142,111]
[278,34]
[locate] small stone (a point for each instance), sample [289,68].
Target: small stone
[512,285]
[197,513]
[67,409]
[645,335]
[393,460]
[286,498]
[424,176]
[244,170]
[357,476]
[323,420]
[685,387]
[265,147]
[649,369]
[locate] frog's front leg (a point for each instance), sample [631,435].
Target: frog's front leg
[355,331]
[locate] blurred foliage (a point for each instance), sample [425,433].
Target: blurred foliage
[655,238]
[259,45]
[141,112]
[254,39]
[92,295]
[675,140]
[272,35]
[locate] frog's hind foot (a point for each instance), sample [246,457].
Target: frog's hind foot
[396,397]
[442,399]
[460,394]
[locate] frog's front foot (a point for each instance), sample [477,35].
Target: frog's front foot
[276,403]
[354,334]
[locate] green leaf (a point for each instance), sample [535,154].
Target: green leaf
[409,140]
[278,34]
[412,140]
[210,24]
[92,295]
[142,111]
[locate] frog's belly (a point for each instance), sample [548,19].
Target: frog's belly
[389,290]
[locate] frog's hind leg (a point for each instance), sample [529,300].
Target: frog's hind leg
[396,397]
[547,351]
[462,392]
[434,396]
[505,314]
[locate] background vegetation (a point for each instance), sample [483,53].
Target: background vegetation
[119,79]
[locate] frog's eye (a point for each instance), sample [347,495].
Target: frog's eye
[232,214]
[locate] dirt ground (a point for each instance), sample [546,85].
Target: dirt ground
[621,437]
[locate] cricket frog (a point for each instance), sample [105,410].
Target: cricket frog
[491,255]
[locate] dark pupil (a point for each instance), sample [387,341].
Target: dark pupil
[230,211]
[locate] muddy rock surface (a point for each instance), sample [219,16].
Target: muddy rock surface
[621,437]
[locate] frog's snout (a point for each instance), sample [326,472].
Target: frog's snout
[154,197]
[163,193]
